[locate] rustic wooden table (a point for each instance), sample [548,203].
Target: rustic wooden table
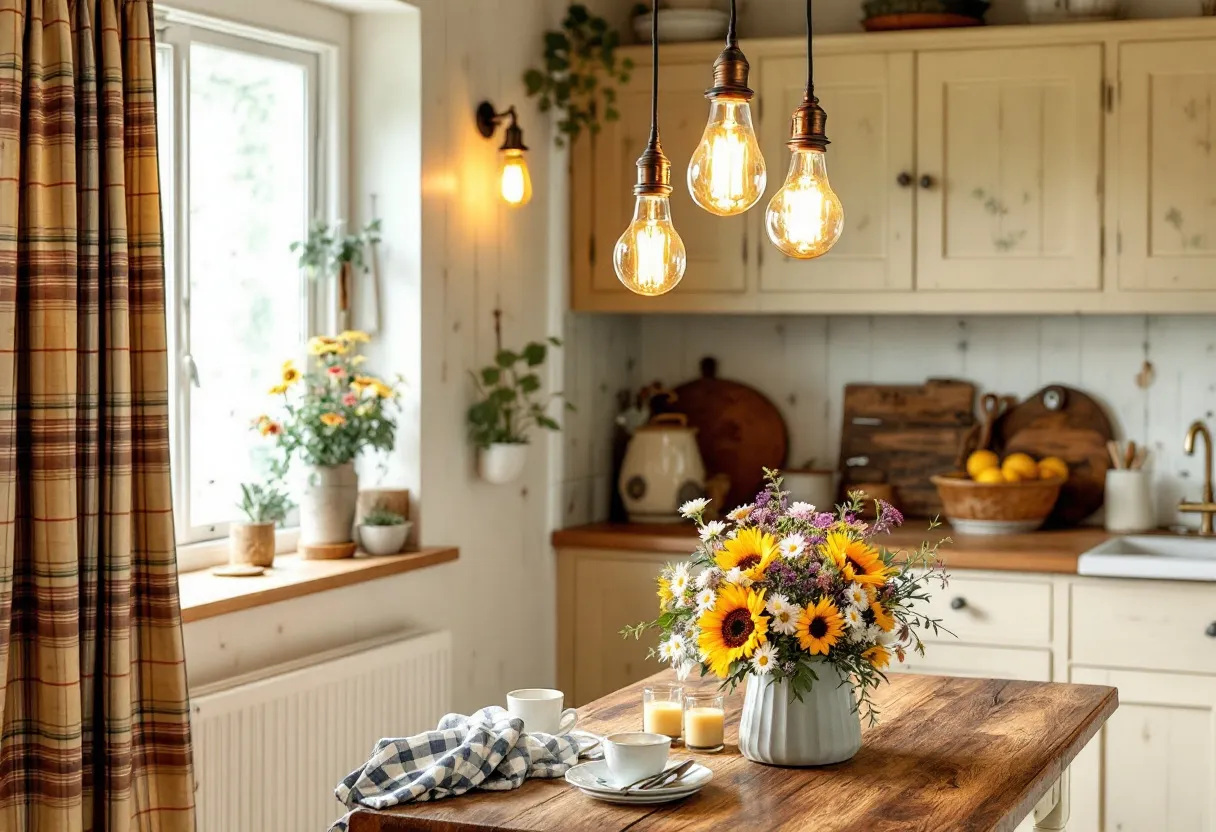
[949,754]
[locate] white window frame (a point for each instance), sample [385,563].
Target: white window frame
[200,546]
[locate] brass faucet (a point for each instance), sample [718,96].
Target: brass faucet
[1207,507]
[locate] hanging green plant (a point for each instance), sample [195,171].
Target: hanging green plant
[580,68]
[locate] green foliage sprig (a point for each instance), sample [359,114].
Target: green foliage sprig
[578,61]
[326,249]
[264,502]
[382,517]
[509,402]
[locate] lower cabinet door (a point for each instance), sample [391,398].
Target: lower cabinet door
[943,659]
[1153,766]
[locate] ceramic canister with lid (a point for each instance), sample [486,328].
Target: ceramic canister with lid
[662,469]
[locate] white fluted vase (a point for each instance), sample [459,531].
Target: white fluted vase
[822,729]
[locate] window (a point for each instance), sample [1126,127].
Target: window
[238,118]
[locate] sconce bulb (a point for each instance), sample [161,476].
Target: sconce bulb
[649,257]
[726,175]
[516,182]
[805,218]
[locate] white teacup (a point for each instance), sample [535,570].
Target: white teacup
[541,710]
[633,755]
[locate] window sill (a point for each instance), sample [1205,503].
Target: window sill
[204,595]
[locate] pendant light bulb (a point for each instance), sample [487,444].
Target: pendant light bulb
[726,175]
[805,218]
[650,258]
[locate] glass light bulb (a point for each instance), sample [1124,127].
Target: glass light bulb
[805,217]
[516,182]
[649,257]
[726,175]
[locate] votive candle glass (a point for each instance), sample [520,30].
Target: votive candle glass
[663,710]
[704,722]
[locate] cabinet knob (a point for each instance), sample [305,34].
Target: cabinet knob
[927,182]
[904,180]
[1211,630]
[959,603]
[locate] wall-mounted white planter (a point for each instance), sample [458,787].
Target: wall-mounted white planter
[501,462]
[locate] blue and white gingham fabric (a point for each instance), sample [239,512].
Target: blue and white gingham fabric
[488,750]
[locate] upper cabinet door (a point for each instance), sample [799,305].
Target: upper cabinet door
[1010,141]
[868,99]
[1167,166]
[717,246]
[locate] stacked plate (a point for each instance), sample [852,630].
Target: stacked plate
[677,25]
[594,780]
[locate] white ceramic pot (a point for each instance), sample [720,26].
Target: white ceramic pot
[501,462]
[662,469]
[1064,11]
[383,540]
[820,730]
[327,507]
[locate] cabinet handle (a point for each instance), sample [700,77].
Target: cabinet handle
[904,180]
[1211,630]
[927,182]
[959,603]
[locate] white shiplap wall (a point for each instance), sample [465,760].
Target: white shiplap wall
[803,363]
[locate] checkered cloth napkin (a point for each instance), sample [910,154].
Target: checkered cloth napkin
[488,750]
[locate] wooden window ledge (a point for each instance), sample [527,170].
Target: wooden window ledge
[204,595]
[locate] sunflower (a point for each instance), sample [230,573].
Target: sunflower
[290,374]
[333,420]
[382,390]
[326,345]
[884,619]
[751,552]
[268,427]
[354,336]
[278,390]
[733,629]
[665,594]
[820,627]
[856,560]
[878,656]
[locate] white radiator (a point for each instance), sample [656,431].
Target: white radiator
[269,748]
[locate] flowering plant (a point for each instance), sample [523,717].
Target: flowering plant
[332,411]
[781,588]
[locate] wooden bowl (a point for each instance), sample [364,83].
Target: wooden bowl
[996,508]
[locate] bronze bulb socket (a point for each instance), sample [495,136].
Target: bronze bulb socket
[654,171]
[730,76]
[808,126]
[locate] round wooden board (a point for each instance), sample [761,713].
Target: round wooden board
[327,551]
[918,20]
[1077,432]
[739,431]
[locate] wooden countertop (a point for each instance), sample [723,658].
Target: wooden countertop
[949,753]
[205,595]
[1045,551]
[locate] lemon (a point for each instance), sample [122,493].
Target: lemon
[981,461]
[990,476]
[1052,468]
[1021,466]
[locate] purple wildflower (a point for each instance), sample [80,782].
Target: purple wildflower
[788,668]
[762,517]
[824,581]
[823,520]
[888,517]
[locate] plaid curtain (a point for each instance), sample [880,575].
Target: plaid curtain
[93,703]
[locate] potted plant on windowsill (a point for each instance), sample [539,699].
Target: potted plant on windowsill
[326,251]
[383,532]
[330,415]
[252,542]
[508,406]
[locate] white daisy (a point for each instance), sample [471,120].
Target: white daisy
[712,529]
[791,546]
[785,620]
[736,576]
[776,603]
[764,659]
[732,534]
[665,652]
[857,596]
[873,634]
[706,600]
[709,577]
[676,644]
[853,619]
[694,507]
[887,639]
[740,514]
[801,509]
[680,578]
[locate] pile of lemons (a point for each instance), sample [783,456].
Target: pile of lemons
[987,467]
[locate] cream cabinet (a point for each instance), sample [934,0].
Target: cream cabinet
[1167,166]
[1008,169]
[1009,151]
[869,103]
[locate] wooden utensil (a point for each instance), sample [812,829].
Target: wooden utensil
[1066,423]
[739,431]
[901,435]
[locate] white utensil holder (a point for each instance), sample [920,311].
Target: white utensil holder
[1129,501]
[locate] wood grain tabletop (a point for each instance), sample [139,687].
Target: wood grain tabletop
[949,754]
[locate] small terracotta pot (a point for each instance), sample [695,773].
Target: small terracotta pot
[251,543]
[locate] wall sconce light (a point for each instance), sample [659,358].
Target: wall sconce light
[515,183]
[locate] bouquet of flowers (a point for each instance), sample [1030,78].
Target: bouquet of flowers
[780,587]
[333,410]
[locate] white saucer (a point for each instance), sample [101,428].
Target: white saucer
[588,745]
[588,775]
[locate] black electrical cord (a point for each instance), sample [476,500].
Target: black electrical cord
[732,38]
[810,61]
[654,74]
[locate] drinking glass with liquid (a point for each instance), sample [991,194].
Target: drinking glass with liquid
[663,710]
[704,722]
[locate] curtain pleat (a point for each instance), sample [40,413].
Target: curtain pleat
[93,696]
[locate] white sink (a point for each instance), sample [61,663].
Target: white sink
[1161,557]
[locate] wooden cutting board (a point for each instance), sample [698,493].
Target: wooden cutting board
[904,434]
[739,431]
[1060,421]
